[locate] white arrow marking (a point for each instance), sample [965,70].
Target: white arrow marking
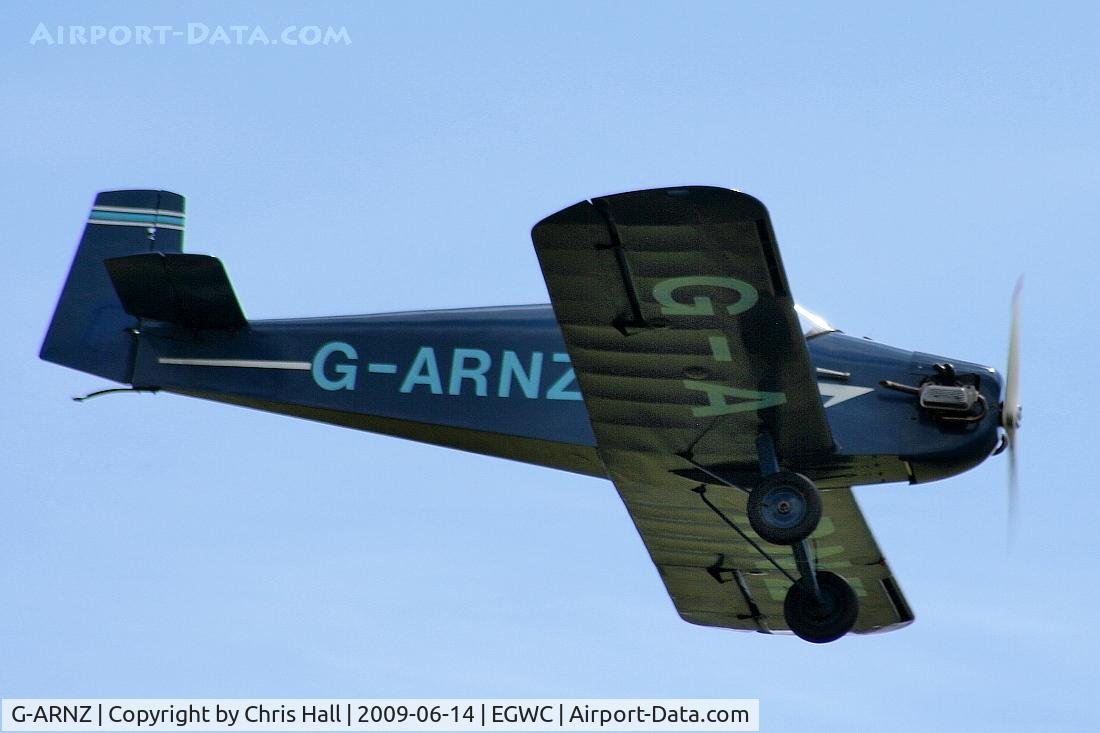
[838,393]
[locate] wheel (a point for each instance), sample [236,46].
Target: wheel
[784,508]
[824,622]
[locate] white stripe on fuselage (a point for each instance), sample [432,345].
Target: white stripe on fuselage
[243,363]
[836,393]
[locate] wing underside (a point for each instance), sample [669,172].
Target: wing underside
[681,327]
[715,577]
[680,324]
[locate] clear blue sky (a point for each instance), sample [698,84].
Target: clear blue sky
[914,160]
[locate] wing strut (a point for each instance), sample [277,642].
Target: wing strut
[803,552]
[769,465]
[701,490]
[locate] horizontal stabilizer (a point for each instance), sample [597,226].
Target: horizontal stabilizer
[189,290]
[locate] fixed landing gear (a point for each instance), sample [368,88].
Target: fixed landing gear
[784,509]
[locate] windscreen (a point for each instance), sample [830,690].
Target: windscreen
[812,324]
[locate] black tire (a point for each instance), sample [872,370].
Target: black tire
[784,508]
[825,622]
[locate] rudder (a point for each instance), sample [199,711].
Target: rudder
[90,330]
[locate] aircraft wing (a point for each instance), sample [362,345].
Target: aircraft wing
[716,578]
[681,329]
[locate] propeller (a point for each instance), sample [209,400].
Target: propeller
[1011,411]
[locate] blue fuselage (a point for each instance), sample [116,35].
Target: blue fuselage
[487,378]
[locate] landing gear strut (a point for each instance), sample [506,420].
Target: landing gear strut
[784,509]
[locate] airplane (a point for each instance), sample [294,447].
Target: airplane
[671,360]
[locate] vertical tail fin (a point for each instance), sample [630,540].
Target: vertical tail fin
[90,330]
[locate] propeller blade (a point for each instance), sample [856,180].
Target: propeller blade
[1013,489]
[1011,410]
